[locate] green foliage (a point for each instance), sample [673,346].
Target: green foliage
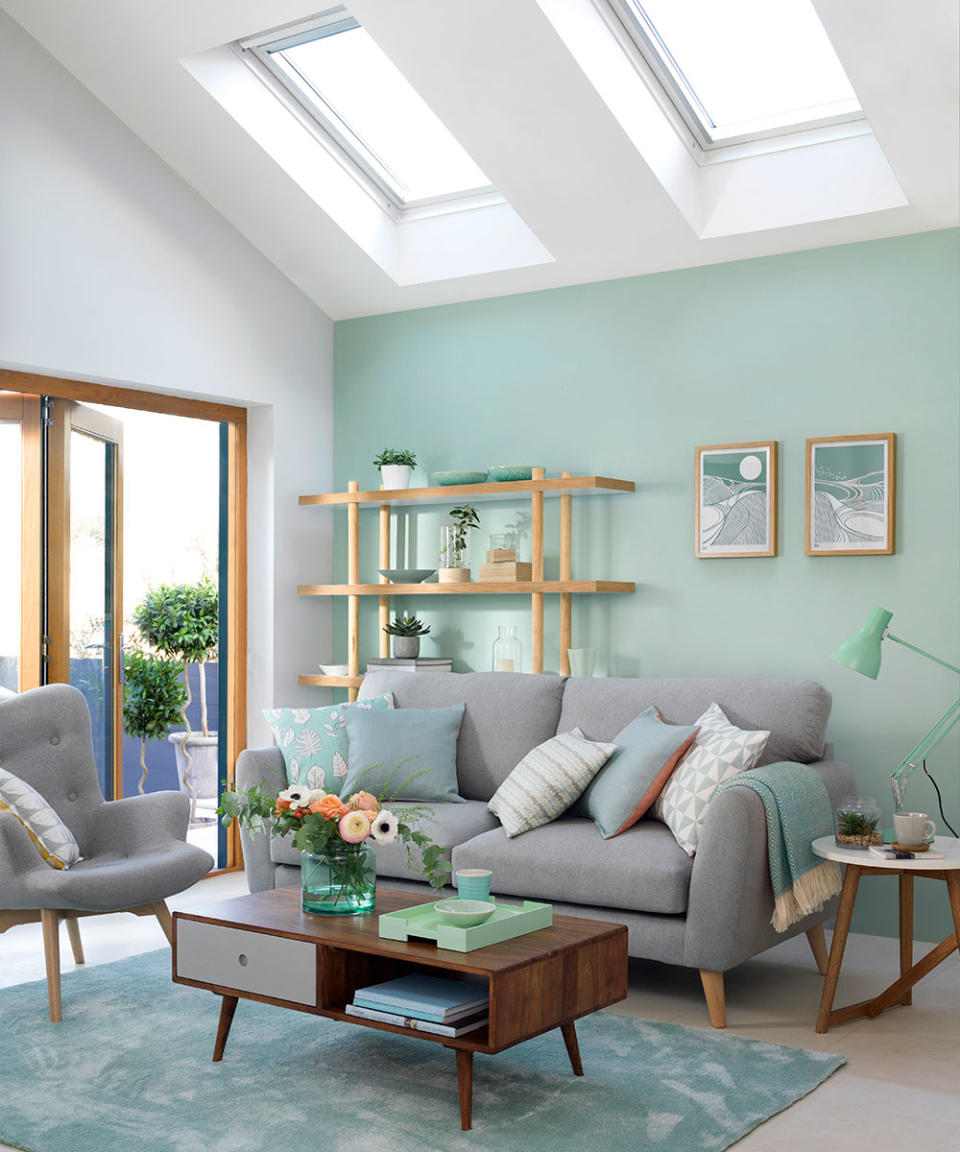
[181,620]
[406,626]
[465,516]
[857,823]
[153,695]
[395,456]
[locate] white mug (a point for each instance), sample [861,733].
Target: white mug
[913,828]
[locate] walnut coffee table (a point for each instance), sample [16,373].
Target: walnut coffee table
[264,947]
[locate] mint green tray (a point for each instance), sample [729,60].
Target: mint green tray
[507,921]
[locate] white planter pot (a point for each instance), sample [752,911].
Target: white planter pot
[395,475]
[203,764]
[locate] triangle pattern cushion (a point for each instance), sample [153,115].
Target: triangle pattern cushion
[720,751]
[54,840]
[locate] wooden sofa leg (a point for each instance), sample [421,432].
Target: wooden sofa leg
[73,931]
[713,990]
[818,945]
[162,913]
[50,920]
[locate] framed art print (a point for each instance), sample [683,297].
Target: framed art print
[851,481]
[736,504]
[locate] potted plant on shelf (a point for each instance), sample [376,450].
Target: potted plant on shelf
[406,632]
[395,466]
[454,567]
[181,622]
[153,697]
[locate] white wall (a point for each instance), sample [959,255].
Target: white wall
[113,269]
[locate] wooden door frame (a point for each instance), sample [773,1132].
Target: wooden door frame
[33,386]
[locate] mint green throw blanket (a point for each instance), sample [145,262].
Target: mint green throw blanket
[798,810]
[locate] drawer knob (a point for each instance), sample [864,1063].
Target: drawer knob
[242,960]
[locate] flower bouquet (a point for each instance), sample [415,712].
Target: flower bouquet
[336,839]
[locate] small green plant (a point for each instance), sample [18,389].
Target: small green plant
[395,456]
[464,517]
[857,823]
[153,696]
[406,626]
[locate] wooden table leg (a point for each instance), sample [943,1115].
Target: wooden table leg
[953,891]
[227,1009]
[906,930]
[573,1047]
[848,895]
[50,919]
[894,994]
[465,1086]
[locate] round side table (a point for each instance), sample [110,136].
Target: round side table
[862,862]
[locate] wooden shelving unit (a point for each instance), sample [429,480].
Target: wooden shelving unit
[565,488]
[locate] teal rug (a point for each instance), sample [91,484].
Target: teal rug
[129,1069]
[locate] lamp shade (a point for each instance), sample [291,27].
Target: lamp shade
[861,651]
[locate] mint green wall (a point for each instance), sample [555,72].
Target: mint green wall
[625,378]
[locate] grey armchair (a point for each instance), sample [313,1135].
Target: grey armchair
[134,851]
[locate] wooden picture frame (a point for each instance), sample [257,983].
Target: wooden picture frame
[736,500]
[851,495]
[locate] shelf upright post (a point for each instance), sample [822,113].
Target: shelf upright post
[353,577]
[536,598]
[566,600]
[384,601]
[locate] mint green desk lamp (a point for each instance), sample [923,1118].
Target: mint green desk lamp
[861,652]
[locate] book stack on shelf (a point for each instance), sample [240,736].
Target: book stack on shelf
[411,664]
[425,1004]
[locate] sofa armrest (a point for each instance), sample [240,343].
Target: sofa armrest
[731,900]
[259,766]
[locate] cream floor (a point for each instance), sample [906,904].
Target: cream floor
[899,1088]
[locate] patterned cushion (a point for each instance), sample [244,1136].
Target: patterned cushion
[313,741]
[547,781]
[721,750]
[53,838]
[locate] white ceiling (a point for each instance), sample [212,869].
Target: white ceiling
[500,77]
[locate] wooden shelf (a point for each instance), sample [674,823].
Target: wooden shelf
[331,681]
[473,587]
[454,493]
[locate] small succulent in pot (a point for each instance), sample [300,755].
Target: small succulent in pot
[406,632]
[395,466]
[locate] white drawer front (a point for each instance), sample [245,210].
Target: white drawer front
[248,961]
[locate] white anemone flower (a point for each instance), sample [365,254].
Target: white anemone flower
[384,827]
[298,795]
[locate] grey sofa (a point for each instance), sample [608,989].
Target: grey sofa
[710,912]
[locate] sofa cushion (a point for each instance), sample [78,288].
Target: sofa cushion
[506,715]
[794,711]
[450,824]
[643,870]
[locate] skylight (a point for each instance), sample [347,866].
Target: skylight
[742,69]
[359,97]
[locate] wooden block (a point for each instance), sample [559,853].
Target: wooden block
[517,570]
[499,555]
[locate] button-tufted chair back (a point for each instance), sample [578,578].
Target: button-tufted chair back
[45,740]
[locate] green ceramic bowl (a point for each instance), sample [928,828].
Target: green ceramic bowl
[510,472]
[464,913]
[406,575]
[445,478]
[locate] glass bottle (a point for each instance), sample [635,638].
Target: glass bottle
[506,650]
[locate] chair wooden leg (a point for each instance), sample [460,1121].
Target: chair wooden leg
[713,990]
[162,913]
[73,931]
[818,945]
[50,920]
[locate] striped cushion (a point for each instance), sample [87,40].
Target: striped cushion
[52,837]
[547,781]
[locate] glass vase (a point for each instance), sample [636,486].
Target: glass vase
[454,561]
[341,882]
[858,823]
[506,650]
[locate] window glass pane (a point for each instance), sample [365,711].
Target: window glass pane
[361,88]
[10,556]
[752,60]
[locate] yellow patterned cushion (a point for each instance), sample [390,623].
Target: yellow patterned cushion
[52,837]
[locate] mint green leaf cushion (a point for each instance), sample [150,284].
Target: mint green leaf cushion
[313,741]
[627,785]
[407,754]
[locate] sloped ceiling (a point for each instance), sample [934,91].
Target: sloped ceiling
[500,77]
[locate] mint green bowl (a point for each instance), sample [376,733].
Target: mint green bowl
[503,472]
[445,478]
[464,913]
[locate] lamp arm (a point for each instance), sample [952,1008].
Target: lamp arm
[919,752]
[922,652]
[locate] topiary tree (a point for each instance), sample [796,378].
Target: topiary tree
[153,697]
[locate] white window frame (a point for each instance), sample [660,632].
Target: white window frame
[335,133]
[651,58]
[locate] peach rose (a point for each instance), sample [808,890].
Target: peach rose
[354,827]
[363,802]
[314,806]
[331,807]
[282,806]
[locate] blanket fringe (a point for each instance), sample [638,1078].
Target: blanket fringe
[809,894]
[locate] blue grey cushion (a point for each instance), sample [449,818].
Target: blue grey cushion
[410,753]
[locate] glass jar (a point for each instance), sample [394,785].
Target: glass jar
[506,650]
[453,548]
[341,882]
[858,823]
